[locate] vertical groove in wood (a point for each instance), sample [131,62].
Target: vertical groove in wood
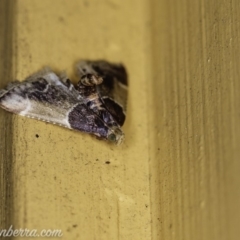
[195,94]
[7,14]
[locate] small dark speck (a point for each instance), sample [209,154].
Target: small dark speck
[37,136]
[96,159]
[107,162]
[61,19]
[146,205]
[86,3]
[170,226]
[74,225]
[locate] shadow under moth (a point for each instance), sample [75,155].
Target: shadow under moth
[96,105]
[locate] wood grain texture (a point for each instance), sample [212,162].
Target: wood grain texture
[177,174]
[195,155]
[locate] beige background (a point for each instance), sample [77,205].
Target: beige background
[177,174]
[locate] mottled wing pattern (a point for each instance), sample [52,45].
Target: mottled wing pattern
[113,89]
[44,96]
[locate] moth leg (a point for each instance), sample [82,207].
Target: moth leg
[91,80]
[69,84]
[63,78]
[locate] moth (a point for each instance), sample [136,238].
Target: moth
[95,105]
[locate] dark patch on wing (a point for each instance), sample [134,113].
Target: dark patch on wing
[111,74]
[109,71]
[115,110]
[52,96]
[40,84]
[81,118]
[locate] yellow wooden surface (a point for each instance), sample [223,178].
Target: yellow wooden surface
[177,174]
[195,154]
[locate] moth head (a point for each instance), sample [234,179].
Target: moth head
[90,80]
